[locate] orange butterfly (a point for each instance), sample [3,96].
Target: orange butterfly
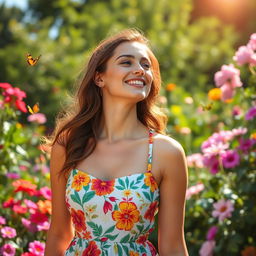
[31,61]
[34,109]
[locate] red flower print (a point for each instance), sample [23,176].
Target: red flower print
[152,249]
[107,206]
[152,210]
[142,239]
[78,219]
[127,216]
[102,187]
[92,250]
[87,235]
[150,181]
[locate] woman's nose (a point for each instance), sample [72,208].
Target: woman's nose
[139,70]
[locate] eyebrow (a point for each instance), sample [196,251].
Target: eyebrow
[131,56]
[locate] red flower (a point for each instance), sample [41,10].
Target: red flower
[142,239]
[25,186]
[21,105]
[107,206]
[102,187]
[152,210]
[19,209]
[5,85]
[152,249]
[92,250]
[78,219]
[38,217]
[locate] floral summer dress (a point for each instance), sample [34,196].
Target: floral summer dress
[113,217]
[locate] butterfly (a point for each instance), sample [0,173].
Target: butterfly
[207,107]
[31,61]
[34,109]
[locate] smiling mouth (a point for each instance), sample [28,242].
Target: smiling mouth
[136,83]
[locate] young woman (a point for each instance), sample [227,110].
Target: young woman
[107,181]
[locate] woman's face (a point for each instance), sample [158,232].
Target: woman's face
[128,72]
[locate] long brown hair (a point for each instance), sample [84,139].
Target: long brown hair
[77,125]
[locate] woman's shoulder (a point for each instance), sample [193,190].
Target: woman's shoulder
[167,145]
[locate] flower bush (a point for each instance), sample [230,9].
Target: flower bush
[24,194]
[225,204]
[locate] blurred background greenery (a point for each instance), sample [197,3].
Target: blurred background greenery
[191,40]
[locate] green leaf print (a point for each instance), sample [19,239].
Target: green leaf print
[109,230]
[126,249]
[120,181]
[140,228]
[112,238]
[139,179]
[147,195]
[127,182]
[125,239]
[119,249]
[115,207]
[88,196]
[76,198]
[120,188]
[97,229]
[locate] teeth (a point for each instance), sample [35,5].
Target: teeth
[135,82]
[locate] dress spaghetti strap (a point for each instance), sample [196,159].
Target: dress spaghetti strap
[150,150]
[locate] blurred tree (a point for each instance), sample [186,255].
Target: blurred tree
[65,32]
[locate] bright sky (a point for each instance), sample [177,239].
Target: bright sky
[20,3]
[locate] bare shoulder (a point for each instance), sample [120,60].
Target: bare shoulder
[171,155]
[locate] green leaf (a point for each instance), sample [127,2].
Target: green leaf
[109,230]
[112,237]
[76,198]
[88,196]
[97,229]
[121,182]
[146,195]
[125,239]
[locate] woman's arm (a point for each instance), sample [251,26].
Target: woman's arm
[171,241]
[61,232]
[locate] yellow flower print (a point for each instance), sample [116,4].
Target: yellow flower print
[127,216]
[80,179]
[127,192]
[150,181]
[132,253]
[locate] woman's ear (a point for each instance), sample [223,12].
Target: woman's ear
[98,79]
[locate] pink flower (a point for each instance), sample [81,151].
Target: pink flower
[252,42]
[193,190]
[215,149]
[222,209]
[228,78]
[29,225]
[46,192]
[8,232]
[31,205]
[239,131]
[8,250]
[212,163]
[5,85]
[43,226]
[245,55]
[237,111]
[212,232]
[2,220]
[207,248]
[13,175]
[228,74]
[37,248]
[195,160]
[246,144]
[251,113]
[230,159]
[39,118]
